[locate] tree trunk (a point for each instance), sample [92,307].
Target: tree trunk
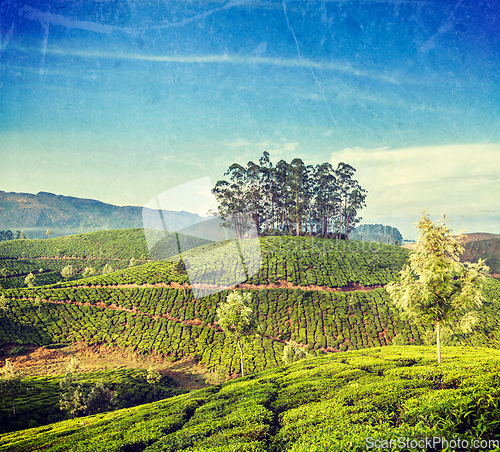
[297,218]
[438,341]
[241,358]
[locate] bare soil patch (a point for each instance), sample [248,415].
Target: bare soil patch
[47,362]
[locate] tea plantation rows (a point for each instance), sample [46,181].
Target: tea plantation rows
[117,243]
[170,321]
[38,401]
[65,323]
[300,261]
[50,273]
[341,402]
[93,249]
[150,273]
[332,263]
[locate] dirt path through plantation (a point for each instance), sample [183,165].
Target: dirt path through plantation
[351,287]
[134,310]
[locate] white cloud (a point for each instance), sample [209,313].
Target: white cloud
[460,180]
[283,148]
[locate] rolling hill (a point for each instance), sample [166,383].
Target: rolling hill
[344,402]
[484,248]
[326,295]
[46,258]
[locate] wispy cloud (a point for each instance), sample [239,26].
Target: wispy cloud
[459,180]
[225,58]
[46,17]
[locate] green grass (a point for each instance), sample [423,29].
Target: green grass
[340,402]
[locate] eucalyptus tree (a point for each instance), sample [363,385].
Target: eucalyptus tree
[290,197]
[10,383]
[67,272]
[293,352]
[254,204]
[231,198]
[72,399]
[107,269]
[285,198]
[4,304]
[88,271]
[269,191]
[352,198]
[299,182]
[153,377]
[326,197]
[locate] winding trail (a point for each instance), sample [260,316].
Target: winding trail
[115,307]
[351,287]
[174,285]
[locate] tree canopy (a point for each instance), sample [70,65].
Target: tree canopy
[291,198]
[435,287]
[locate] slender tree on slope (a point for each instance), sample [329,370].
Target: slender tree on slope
[237,319]
[30,280]
[10,383]
[435,286]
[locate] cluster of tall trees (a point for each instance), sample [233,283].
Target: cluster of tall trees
[291,198]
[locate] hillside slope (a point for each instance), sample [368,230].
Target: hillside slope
[286,261]
[46,258]
[488,249]
[315,292]
[344,402]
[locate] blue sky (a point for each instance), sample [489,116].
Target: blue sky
[122,100]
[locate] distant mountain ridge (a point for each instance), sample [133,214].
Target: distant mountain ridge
[65,215]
